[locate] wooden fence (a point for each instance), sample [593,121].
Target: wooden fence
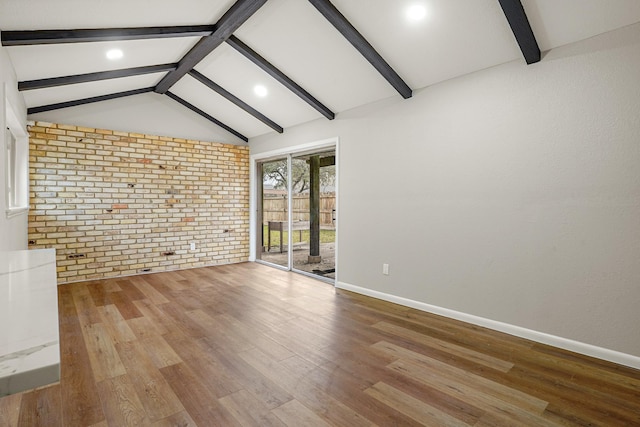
[274,208]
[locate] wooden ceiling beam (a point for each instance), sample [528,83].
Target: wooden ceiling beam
[60,105]
[206,116]
[228,23]
[34,37]
[340,22]
[519,23]
[274,72]
[92,77]
[235,100]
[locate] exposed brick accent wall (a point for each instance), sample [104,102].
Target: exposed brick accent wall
[117,203]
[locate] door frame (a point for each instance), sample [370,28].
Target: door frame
[254,185]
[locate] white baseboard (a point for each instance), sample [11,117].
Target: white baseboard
[541,337]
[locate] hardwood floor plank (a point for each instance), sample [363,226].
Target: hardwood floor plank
[109,314]
[461,409]
[470,394]
[349,389]
[86,309]
[105,361]
[190,299]
[175,281]
[287,373]
[41,407]
[246,377]
[10,409]
[159,351]
[472,355]
[150,292]
[293,374]
[586,361]
[154,392]
[611,382]
[434,322]
[80,401]
[98,293]
[159,283]
[115,325]
[181,419]
[121,403]
[214,328]
[419,411]
[458,376]
[571,400]
[197,327]
[111,285]
[130,290]
[314,398]
[199,401]
[295,414]
[329,408]
[249,411]
[143,327]
[126,307]
[212,371]
[156,316]
[249,337]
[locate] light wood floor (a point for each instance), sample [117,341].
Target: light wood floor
[250,345]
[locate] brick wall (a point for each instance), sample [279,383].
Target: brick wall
[117,203]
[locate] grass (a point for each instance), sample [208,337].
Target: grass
[326,236]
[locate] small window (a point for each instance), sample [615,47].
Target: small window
[11,170]
[16,146]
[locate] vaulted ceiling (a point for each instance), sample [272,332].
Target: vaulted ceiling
[315,58]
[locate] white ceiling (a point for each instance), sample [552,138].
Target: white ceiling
[456,37]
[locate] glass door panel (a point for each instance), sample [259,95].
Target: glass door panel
[313,213]
[274,212]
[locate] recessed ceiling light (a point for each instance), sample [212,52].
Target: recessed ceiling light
[114,54]
[417,12]
[260,91]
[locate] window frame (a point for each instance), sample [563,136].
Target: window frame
[16,164]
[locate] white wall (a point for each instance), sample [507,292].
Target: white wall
[13,231]
[148,113]
[512,194]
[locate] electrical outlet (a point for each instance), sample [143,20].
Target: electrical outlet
[192,246]
[385,269]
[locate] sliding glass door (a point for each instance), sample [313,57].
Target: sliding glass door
[296,212]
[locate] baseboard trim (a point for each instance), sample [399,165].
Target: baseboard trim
[541,337]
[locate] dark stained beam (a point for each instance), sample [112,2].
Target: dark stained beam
[338,20]
[50,107]
[234,99]
[270,69]
[314,210]
[26,38]
[206,116]
[230,21]
[92,77]
[326,161]
[519,23]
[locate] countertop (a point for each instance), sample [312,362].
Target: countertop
[29,335]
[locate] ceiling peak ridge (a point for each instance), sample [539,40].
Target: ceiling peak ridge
[232,19]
